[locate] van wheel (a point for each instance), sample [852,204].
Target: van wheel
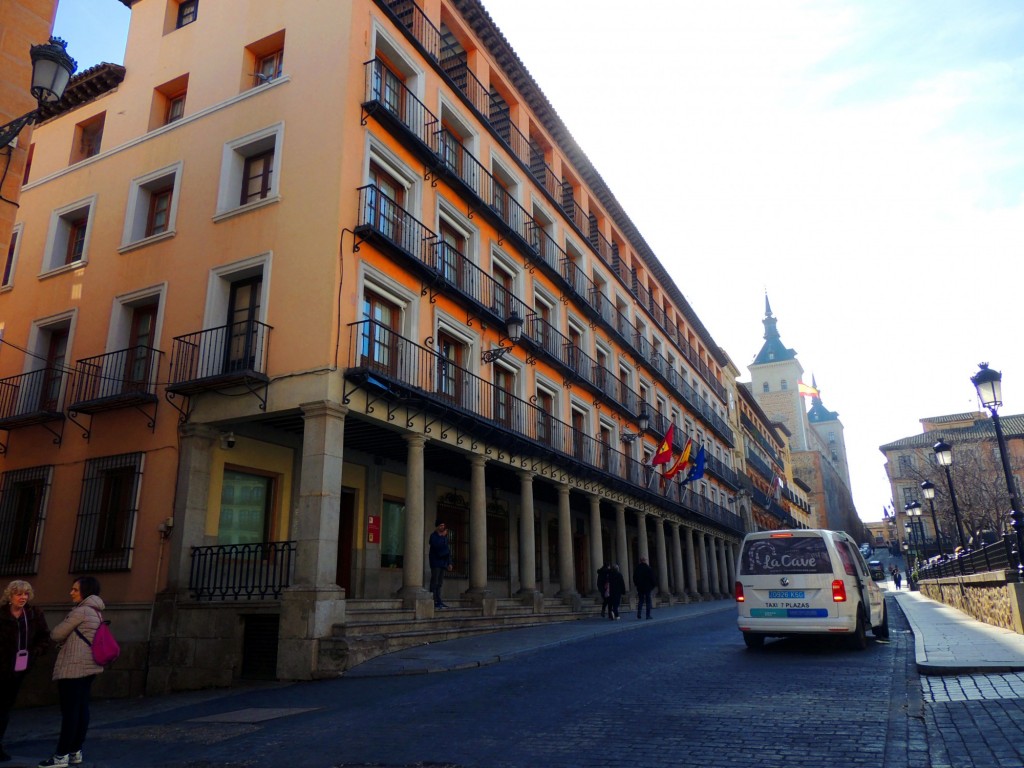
[753,640]
[882,630]
[859,638]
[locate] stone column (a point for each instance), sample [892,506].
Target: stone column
[713,565]
[659,540]
[730,563]
[677,561]
[596,544]
[723,565]
[643,548]
[702,553]
[566,573]
[527,537]
[691,563]
[191,501]
[477,528]
[314,602]
[621,546]
[413,557]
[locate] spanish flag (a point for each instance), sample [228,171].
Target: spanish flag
[682,462]
[664,454]
[806,390]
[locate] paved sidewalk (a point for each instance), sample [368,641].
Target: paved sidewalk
[949,642]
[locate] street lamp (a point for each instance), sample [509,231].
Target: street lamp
[989,386]
[944,455]
[928,490]
[513,332]
[913,510]
[642,421]
[51,70]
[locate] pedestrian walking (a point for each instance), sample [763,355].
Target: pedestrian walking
[602,587]
[897,577]
[616,589]
[24,638]
[643,580]
[75,669]
[440,560]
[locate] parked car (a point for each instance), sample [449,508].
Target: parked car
[865,549]
[877,570]
[796,582]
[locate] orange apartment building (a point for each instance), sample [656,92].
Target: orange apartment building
[300,279]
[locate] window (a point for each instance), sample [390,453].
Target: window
[256,177]
[764,387]
[246,508]
[503,400]
[12,257]
[23,495]
[105,529]
[28,163]
[380,337]
[88,137]
[68,239]
[244,350]
[268,67]
[175,108]
[784,385]
[450,373]
[545,423]
[392,534]
[140,365]
[152,205]
[250,171]
[188,11]
[53,373]
[906,465]
[387,89]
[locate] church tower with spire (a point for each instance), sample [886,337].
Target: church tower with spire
[817,445]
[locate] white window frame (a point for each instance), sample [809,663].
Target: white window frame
[137,213]
[58,232]
[233,157]
[218,289]
[120,328]
[17,232]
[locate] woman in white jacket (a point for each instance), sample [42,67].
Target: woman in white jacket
[75,670]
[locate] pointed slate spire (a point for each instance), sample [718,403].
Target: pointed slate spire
[773,349]
[818,413]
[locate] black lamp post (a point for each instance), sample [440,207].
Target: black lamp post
[51,70]
[990,392]
[928,490]
[913,510]
[643,420]
[944,455]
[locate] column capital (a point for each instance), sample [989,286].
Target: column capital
[563,489]
[477,460]
[525,474]
[198,431]
[415,440]
[323,408]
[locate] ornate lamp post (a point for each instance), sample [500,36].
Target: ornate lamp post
[913,511]
[51,70]
[989,386]
[928,490]
[944,455]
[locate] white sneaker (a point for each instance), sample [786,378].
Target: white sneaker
[75,758]
[57,761]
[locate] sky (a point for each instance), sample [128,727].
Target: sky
[860,162]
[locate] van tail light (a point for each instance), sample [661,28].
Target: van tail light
[739,593]
[838,591]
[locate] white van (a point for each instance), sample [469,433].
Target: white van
[797,582]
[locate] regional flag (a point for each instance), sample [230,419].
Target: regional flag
[698,467]
[664,454]
[682,462]
[806,390]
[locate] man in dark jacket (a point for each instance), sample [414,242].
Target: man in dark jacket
[616,588]
[602,586]
[643,578]
[440,560]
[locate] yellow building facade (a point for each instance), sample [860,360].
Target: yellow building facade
[291,289]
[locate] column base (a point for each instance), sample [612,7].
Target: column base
[532,598]
[410,596]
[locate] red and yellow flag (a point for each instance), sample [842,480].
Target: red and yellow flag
[664,454]
[806,390]
[682,462]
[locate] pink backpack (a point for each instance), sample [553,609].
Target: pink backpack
[105,649]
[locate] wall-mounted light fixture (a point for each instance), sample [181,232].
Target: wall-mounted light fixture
[51,70]
[642,421]
[513,332]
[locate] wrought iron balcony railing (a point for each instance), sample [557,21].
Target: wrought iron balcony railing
[387,97]
[391,366]
[241,571]
[219,357]
[32,398]
[115,380]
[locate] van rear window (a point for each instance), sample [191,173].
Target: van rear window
[800,554]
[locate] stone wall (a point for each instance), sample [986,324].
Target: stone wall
[988,597]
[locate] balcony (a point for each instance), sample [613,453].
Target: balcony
[760,466]
[387,100]
[221,358]
[560,350]
[32,398]
[119,379]
[389,366]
